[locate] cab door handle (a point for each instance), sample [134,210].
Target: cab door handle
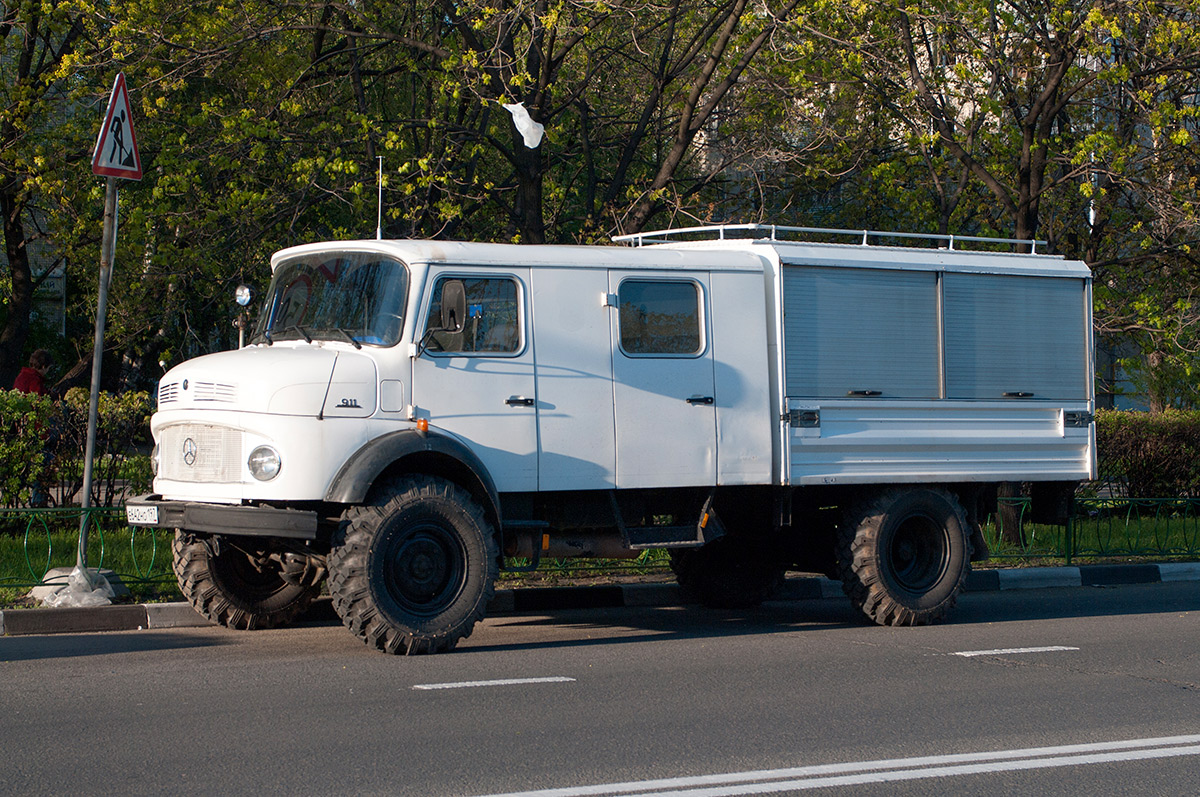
[707,400]
[519,401]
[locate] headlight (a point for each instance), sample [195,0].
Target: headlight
[264,463]
[154,460]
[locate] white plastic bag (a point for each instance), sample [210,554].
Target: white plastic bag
[530,130]
[82,589]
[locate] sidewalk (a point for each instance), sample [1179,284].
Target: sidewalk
[21,622]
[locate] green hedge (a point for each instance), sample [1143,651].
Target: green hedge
[1141,455]
[42,444]
[1149,455]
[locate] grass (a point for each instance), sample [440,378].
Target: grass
[33,542]
[1105,535]
[142,560]
[551,572]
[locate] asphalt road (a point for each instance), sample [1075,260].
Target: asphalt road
[794,697]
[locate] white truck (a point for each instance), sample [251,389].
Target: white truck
[410,415]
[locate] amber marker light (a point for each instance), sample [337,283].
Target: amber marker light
[422,424]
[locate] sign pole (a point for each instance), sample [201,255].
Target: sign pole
[115,157]
[108,246]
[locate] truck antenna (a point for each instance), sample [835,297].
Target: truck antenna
[379,203]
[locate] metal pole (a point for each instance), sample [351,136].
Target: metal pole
[108,247]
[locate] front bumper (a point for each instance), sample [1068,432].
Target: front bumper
[254,521]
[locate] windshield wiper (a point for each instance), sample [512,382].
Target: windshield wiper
[298,328]
[347,336]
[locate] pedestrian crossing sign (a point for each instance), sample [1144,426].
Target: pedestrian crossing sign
[116,152]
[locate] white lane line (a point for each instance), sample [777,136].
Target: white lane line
[930,766]
[554,679]
[935,772]
[1010,651]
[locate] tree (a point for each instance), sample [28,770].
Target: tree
[37,42]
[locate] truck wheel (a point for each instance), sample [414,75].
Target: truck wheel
[727,573]
[241,586]
[413,571]
[903,556]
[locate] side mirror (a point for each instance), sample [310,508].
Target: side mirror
[454,306]
[452,313]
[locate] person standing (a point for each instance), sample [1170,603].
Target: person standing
[32,378]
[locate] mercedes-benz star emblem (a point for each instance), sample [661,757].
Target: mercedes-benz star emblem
[189,451]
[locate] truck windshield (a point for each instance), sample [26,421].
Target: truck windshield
[347,296]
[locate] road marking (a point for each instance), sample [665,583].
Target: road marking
[887,770]
[1008,651]
[554,679]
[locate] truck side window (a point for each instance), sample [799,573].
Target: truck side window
[493,322]
[660,317]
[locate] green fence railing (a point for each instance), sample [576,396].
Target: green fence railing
[1141,527]
[1103,528]
[35,541]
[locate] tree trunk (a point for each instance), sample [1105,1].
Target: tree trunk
[1009,514]
[528,207]
[20,303]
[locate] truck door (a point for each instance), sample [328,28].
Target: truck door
[477,381]
[663,396]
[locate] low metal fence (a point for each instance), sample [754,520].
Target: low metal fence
[35,541]
[1100,528]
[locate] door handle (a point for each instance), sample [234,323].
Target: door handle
[519,401]
[707,400]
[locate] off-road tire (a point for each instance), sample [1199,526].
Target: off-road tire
[727,573]
[903,555]
[241,587]
[413,570]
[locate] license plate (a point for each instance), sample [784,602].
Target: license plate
[142,515]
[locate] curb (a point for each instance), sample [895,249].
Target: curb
[24,622]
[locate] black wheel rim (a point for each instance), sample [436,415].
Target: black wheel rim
[917,553]
[424,569]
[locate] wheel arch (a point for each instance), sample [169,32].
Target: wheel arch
[409,451]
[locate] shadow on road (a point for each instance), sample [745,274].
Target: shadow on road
[61,646]
[1060,603]
[607,626]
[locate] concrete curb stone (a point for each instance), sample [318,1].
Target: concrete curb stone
[21,622]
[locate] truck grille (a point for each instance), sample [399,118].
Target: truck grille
[215,391]
[168,393]
[195,452]
[200,391]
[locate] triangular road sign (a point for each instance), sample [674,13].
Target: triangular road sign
[116,152]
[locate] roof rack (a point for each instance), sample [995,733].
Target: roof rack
[722,232]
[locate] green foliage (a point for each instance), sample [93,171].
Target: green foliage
[1150,455]
[260,126]
[43,443]
[24,431]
